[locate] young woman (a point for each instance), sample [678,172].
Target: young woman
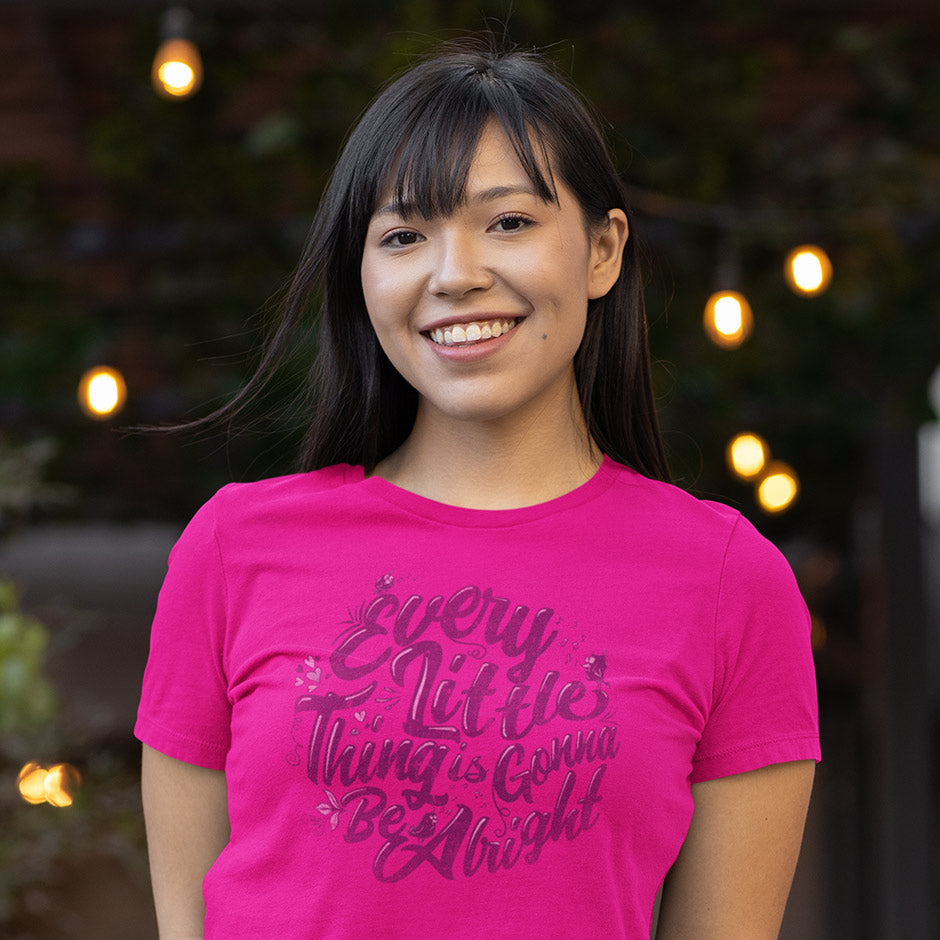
[478,670]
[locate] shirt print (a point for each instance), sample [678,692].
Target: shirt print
[463,732]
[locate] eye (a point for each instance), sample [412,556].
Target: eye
[511,223]
[401,239]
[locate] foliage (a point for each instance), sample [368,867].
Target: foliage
[39,843]
[22,486]
[739,140]
[27,701]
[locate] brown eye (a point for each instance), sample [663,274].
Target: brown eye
[401,239]
[511,223]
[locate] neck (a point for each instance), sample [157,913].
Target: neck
[493,464]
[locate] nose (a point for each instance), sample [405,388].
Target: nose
[458,266]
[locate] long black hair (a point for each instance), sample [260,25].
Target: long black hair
[417,141]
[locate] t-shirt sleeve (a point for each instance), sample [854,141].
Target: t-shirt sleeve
[764,708]
[184,708]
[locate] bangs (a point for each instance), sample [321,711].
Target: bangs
[433,147]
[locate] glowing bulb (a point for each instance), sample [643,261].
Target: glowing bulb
[177,69]
[176,77]
[728,319]
[102,392]
[30,782]
[808,270]
[746,455]
[177,66]
[778,488]
[60,785]
[56,786]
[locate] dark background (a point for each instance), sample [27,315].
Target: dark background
[152,235]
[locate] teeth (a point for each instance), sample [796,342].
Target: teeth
[459,335]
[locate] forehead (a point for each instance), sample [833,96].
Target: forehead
[436,178]
[495,157]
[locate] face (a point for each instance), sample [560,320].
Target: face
[482,310]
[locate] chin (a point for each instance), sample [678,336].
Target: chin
[474,408]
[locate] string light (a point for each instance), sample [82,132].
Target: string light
[102,392]
[728,319]
[56,785]
[747,455]
[728,322]
[808,270]
[778,487]
[177,66]
[748,458]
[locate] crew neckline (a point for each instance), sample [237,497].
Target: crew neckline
[446,514]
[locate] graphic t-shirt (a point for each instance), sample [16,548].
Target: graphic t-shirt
[438,722]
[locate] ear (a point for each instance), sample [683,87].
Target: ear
[607,254]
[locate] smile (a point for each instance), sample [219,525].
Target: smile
[463,334]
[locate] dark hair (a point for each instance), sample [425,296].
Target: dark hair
[418,139]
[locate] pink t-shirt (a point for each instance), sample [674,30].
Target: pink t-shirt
[439,722]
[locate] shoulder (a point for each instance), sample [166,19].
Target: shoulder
[238,507]
[291,486]
[693,534]
[668,509]
[281,494]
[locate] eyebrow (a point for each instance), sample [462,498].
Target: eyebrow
[485,195]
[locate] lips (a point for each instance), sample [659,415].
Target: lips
[466,334]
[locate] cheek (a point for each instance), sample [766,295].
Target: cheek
[376,296]
[368,278]
[386,294]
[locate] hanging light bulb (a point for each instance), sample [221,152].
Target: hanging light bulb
[177,66]
[778,487]
[747,455]
[808,270]
[728,319]
[102,392]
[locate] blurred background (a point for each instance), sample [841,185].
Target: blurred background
[146,225]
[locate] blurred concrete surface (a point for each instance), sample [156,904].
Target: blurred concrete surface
[95,588]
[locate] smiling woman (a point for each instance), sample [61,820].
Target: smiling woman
[479,667]
[482,312]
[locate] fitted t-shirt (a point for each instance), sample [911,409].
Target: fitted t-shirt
[446,722]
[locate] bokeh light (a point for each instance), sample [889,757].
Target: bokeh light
[102,392]
[728,319]
[177,69]
[31,783]
[778,487]
[746,455]
[808,270]
[61,784]
[56,785]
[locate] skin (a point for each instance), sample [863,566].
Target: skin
[503,428]
[186,812]
[733,874]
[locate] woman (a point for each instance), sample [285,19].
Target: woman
[478,669]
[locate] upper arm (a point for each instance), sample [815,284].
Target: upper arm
[733,874]
[186,813]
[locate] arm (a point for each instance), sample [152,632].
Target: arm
[733,874]
[186,812]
